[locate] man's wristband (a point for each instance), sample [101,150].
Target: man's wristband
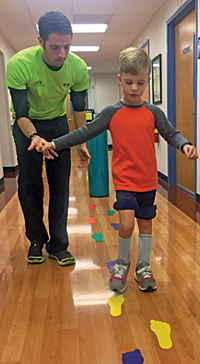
[32,135]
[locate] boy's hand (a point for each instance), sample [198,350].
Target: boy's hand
[190,152]
[41,145]
[84,156]
[46,147]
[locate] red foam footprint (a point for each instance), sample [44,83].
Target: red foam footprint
[92,220]
[92,207]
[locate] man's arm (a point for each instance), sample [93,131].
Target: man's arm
[29,130]
[26,127]
[21,107]
[80,120]
[78,101]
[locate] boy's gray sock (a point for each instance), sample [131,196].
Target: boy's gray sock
[124,249]
[144,242]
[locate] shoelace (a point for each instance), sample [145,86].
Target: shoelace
[119,270]
[146,272]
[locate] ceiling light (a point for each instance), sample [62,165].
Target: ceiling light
[84,48]
[89,28]
[89,68]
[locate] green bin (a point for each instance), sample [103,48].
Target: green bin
[98,168]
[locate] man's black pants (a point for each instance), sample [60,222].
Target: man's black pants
[31,190]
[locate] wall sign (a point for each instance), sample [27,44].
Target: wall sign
[157,80]
[187,49]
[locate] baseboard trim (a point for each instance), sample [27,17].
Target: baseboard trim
[1,182]
[198,198]
[162,177]
[11,172]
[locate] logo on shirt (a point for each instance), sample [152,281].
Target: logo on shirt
[66,84]
[38,83]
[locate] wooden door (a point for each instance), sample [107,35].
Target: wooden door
[70,117]
[184,96]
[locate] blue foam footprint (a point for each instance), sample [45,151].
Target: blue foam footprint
[133,357]
[115,225]
[110,265]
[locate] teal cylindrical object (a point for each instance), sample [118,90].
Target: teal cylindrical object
[98,168]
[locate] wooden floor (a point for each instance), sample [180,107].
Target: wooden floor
[52,314]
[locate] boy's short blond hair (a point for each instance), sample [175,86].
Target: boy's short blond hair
[134,60]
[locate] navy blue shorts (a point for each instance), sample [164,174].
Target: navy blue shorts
[141,202]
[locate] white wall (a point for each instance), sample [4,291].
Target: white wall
[1,166]
[156,33]
[91,93]
[198,108]
[158,44]
[106,92]
[7,152]
[6,48]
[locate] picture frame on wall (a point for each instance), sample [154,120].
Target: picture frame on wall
[157,79]
[198,49]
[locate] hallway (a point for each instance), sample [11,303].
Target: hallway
[52,314]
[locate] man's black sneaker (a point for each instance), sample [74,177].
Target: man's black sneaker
[35,253]
[64,257]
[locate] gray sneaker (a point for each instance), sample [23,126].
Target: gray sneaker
[118,277]
[145,278]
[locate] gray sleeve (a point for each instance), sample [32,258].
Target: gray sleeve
[87,132]
[166,129]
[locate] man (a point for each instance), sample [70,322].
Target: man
[39,79]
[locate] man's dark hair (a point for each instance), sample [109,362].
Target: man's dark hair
[53,22]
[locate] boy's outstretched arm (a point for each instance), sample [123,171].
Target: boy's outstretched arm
[84,154]
[190,152]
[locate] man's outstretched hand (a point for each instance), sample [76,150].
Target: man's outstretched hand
[42,146]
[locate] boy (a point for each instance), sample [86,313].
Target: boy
[131,122]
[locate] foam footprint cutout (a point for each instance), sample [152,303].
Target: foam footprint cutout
[115,225]
[98,237]
[133,357]
[115,304]
[111,212]
[110,265]
[162,331]
[92,220]
[91,207]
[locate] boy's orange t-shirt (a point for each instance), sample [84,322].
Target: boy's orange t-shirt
[134,165]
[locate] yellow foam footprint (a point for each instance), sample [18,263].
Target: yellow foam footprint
[115,304]
[162,331]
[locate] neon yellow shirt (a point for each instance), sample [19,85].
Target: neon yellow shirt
[46,89]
